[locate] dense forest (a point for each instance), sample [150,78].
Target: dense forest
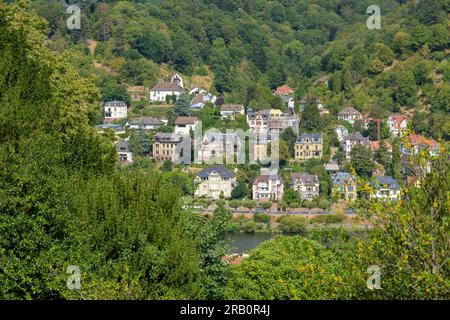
[247,48]
[65,201]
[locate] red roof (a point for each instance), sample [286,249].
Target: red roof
[197,99]
[166,86]
[185,120]
[285,89]
[416,139]
[398,119]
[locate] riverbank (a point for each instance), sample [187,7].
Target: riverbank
[266,223]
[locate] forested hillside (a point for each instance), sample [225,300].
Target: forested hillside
[65,200]
[247,48]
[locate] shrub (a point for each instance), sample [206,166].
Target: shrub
[249,226]
[328,218]
[292,224]
[264,218]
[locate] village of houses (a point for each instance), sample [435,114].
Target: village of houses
[217,181]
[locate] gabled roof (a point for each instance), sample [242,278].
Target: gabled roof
[356,136]
[219,169]
[284,90]
[186,120]
[166,86]
[115,103]
[419,140]
[340,178]
[398,118]
[232,107]
[349,111]
[305,178]
[167,137]
[314,137]
[384,182]
[146,121]
[266,177]
[197,99]
[123,146]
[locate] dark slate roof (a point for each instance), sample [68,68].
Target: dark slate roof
[356,136]
[111,126]
[123,146]
[340,177]
[111,104]
[220,169]
[315,137]
[306,178]
[388,181]
[147,121]
[167,137]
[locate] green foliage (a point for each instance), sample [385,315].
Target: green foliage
[239,191]
[113,91]
[292,224]
[362,161]
[183,105]
[311,120]
[327,218]
[291,197]
[265,204]
[261,217]
[287,268]
[409,240]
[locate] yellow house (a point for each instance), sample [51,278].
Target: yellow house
[309,146]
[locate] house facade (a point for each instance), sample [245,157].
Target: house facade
[415,143]
[309,146]
[231,110]
[341,132]
[217,147]
[258,121]
[214,182]
[184,125]
[350,115]
[161,90]
[124,151]
[353,139]
[385,188]
[397,124]
[260,148]
[114,110]
[166,146]
[307,185]
[267,188]
[344,186]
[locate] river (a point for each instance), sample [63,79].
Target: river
[242,242]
